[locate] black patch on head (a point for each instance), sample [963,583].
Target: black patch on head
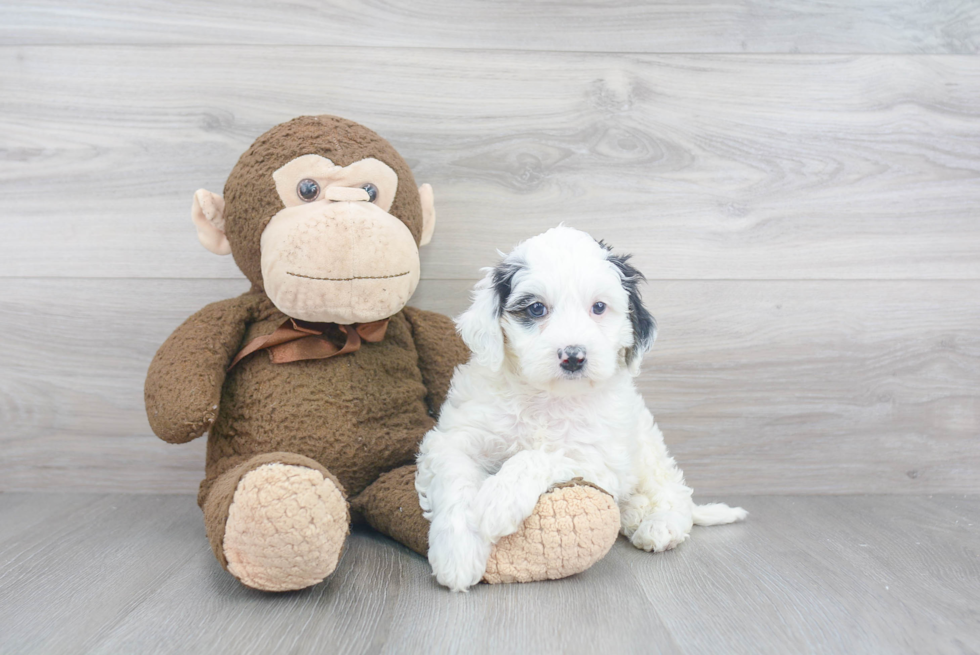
[503,281]
[644,325]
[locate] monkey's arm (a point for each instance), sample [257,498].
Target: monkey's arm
[440,350]
[183,385]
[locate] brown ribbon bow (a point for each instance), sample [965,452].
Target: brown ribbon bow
[298,340]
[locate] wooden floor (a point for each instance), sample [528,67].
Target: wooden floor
[120,573]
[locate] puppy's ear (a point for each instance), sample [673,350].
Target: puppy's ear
[644,325]
[480,324]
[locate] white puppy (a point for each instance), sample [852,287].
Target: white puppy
[557,331]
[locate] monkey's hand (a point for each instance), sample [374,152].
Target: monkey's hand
[183,385]
[440,350]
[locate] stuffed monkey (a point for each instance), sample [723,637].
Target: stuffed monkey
[316,386]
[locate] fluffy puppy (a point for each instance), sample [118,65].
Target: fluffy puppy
[557,331]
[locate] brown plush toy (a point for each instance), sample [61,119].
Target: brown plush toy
[321,427]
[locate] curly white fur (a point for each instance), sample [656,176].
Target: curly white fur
[518,421]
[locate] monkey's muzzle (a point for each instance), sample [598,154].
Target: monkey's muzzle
[339,262]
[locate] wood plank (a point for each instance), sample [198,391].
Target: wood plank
[708,167]
[22,512]
[383,599]
[844,386]
[786,26]
[804,574]
[86,571]
[760,387]
[829,575]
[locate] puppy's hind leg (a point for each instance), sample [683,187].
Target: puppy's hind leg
[660,513]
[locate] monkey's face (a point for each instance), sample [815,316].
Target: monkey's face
[327,242]
[334,253]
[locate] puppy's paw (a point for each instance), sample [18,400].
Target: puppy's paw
[509,497]
[458,560]
[662,531]
[500,509]
[499,519]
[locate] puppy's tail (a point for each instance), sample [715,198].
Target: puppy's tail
[717,514]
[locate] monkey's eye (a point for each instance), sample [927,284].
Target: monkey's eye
[536,310]
[372,191]
[598,308]
[307,190]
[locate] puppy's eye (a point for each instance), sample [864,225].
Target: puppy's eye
[537,310]
[307,190]
[598,308]
[372,191]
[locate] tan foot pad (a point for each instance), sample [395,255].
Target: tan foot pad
[571,528]
[286,528]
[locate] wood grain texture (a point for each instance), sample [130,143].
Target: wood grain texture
[760,387]
[831,575]
[708,167]
[781,26]
[112,574]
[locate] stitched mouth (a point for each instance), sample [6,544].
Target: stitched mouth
[347,279]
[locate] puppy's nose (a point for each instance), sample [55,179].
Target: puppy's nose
[572,358]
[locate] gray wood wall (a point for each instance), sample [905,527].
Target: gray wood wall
[799,181]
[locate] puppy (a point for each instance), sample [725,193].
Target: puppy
[557,331]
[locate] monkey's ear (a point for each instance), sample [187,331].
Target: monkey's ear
[208,214]
[428,214]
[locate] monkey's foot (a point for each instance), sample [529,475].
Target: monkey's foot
[571,528]
[286,528]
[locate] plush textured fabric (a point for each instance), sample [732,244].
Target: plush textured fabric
[391,506]
[359,415]
[289,443]
[571,528]
[207,212]
[183,385]
[440,352]
[215,505]
[250,192]
[286,528]
[428,213]
[351,417]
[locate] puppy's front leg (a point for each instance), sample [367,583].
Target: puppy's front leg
[508,497]
[447,482]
